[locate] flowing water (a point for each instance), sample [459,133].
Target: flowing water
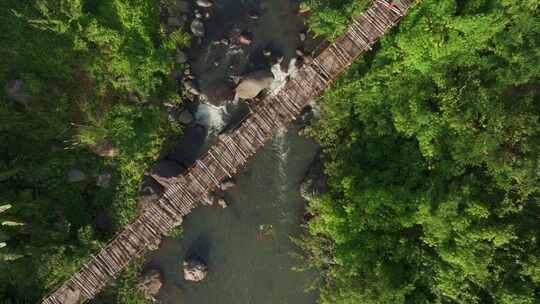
[247,246]
[272,25]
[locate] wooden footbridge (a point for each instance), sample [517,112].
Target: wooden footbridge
[229,154]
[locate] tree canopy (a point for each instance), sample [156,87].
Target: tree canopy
[433,144]
[87,70]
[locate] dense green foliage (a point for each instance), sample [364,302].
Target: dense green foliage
[433,142]
[329,18]
[88,66]
[123,291]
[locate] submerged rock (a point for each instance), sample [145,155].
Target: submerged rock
[197,28]
[195,270]
[252,84]
[150,283]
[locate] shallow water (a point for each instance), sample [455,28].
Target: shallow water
[246,265]
[276,28]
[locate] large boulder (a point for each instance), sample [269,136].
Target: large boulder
[150,283]
[197,28]
[166,170]
[15,91]
[190,147]
[253,83]
[185,117]
[195,270]
[315,182]
[222,203]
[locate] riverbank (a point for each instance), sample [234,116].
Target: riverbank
[83,115]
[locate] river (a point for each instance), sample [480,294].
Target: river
[247,246]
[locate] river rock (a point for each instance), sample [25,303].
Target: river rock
[165,171]
[253,83]
[315,182]
[191,87]
[197,28]
[209,199]
[103,180]
[195,271]
[75,176]
[245,38]
[221,202]
[150,191]
[185,117]
[204,3]
[105,148]
[181,57]
[220,94]
[227,184]
[15,91]
[150,283]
